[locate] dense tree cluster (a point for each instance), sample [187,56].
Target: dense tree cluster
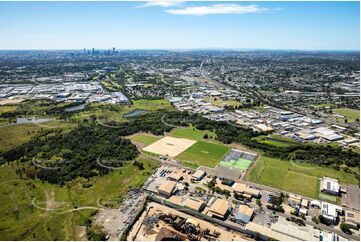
[77,152]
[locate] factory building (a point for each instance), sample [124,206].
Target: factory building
[198,175]
[330,186]
[219,209]
[167,188]
[194,204]
[330,211]
[244,214]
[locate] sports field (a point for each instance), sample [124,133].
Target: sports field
[204,153]
[301,178]
[169,146]
[241,164]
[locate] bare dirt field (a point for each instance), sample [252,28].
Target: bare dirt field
[11,101]
[169,146]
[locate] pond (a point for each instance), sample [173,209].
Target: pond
[134,113]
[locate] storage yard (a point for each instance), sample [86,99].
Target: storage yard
[159,222]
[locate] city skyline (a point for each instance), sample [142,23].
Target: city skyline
[180,25]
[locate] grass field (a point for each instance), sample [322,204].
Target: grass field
[350,114]
[146,139]
[152,104]
[204,153]
[276,140]
[21,220]
[192,133]
[240,164]
[17,134]
[300,178]
[328,197]
[221,103]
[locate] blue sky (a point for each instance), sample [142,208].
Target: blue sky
[181,25]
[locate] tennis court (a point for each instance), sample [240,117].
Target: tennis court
[238,159]
[241,164]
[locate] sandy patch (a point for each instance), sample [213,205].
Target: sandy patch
[169,146]
[10,101]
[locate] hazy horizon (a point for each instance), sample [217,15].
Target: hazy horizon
[171,25]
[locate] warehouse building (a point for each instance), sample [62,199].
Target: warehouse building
[219,209]
[352,218]
[194,204]
[330,211]
[198,175]
[330,186]
[242,188]
[167,188]
[175,176]
[244,214]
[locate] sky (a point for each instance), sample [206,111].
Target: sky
[180,25]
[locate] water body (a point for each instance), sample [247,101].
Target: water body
[32,120]
[76,108]
[134,113]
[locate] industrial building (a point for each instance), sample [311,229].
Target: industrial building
[219,209]
[352,218]
[330,186]
[175,176]
[167,188]
[242,188]
[198,175]
[194,204]
[330,211]
[244,214]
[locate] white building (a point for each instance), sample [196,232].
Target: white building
[330,211]
[330,186]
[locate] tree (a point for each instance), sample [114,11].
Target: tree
[345,228]
[205,136]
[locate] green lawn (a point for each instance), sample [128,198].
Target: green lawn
[350,114]
[20,220]
[301,178]
[204,153]
[192,133]
[17,134]
[152,104]
[276,140]
[145,138]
